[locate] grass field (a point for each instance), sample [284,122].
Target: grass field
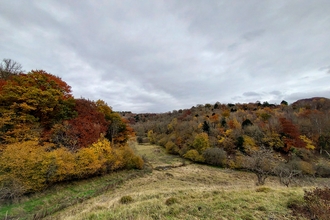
[192,191]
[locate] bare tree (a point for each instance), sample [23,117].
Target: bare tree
[287,173]
[8,68]
[262,163]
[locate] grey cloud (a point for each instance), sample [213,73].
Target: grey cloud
[162,55]
[249,36]
[251,94]
[325,68]
[276,93]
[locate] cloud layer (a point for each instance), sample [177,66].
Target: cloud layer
[157,56]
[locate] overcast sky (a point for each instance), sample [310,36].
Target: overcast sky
[158,56]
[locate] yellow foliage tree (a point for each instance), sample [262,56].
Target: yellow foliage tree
[249,144]
[194,156]
[309,142]
[201,142]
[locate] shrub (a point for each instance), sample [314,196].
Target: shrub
[126,200]
[128,159]
[323,170]
[194,156]
[171,148]
[305,167]
[11,188]
[215,156]
[318,202]
[295,203]
[139,139]
[263,189]
[162,142]
[315,204]
[171,201]
[305,154]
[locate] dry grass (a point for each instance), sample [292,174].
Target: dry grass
[199,192]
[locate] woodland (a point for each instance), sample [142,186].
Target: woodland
[47,136]
[267,139]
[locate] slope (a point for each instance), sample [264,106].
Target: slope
[177,189]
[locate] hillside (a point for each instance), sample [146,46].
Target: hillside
[192,191]
[229,135]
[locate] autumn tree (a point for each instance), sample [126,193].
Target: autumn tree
[290,135]
[88,126]
[31,101]
[118,129]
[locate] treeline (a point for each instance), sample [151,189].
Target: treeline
[230,135]
[48,136]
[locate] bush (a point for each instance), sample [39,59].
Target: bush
[194,156]
[305,154]
[126,200]
[263,189]
[305,167]
[171,148]
[315,204]
[162,142]
[215,156]
[318,202]
[323,170]
[295,203]
[139,139]
[171,201]
[128,159]
[10,188]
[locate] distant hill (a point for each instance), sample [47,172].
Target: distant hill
[319,103]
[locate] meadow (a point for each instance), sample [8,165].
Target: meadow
[179,189]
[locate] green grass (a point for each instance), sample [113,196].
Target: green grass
[157,155]
[64,195]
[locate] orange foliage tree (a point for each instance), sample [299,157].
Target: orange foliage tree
[33,100]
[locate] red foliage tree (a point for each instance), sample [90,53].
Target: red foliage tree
[89,125]
[290,135]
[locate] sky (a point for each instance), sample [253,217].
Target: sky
[164,55]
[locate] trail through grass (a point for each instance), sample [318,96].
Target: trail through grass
[192,191]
